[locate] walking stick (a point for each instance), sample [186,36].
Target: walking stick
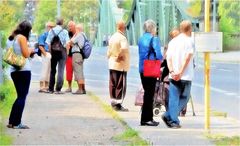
[192,105]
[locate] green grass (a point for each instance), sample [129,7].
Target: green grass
[221,140]
[219,114]
[8,95]
[129,135]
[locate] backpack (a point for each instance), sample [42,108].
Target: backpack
[56,44]
[87,48]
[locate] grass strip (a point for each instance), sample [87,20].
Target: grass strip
[129,135]
[7,97]
[221,140]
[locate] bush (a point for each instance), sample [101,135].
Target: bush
[7,96]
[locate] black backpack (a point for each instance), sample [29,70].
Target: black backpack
[56,44]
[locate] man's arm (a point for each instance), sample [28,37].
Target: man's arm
[123,50]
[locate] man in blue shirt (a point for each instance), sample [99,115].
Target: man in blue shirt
[58,56]
[46,56]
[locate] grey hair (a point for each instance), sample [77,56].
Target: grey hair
[149,26]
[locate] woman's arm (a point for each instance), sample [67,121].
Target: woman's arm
[24,46]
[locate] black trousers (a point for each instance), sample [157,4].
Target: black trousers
[58,58]
[117,84]
[148,84]
[21,80]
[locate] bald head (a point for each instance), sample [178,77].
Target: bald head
[186,27]
[71,26]
[174,33]
[49,25]
[79,27]
[121,26]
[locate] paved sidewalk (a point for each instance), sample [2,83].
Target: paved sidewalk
[191,133]
[65,119]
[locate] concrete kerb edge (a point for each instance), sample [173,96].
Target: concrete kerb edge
[107,108]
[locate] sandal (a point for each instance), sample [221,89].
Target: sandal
[21,126]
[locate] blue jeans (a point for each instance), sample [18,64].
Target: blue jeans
[179,94]
[21,80]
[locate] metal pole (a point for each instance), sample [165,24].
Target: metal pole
[58,8]
[1,69]
[207,68]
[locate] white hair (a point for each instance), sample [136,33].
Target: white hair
[149,26]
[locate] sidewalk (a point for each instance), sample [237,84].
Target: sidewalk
[77,120]
[65,119]
[230,56]
[191,133]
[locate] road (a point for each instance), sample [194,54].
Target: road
[224,80]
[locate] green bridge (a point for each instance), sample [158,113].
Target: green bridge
[166,13]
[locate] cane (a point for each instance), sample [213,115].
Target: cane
[192,105]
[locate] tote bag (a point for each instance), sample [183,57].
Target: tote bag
[151,68]
[139,96]
[11,58]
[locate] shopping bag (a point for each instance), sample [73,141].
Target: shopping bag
[139,96]
[151,68]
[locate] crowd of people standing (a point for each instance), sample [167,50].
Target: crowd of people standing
[61,47]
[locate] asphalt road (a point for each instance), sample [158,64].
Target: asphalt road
[224,80]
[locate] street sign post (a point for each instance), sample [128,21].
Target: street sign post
[207,69]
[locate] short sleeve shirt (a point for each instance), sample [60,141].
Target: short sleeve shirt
[78,42]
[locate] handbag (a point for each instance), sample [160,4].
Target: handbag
[139,97]
[11,58]
[151,68]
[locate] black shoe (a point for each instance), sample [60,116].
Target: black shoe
[119,107]
[175,126]
[150,123]
[49,91]
[166,121]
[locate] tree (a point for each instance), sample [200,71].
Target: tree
[194,8]
[10,14]
[85,12]
[45,11]
[229,23]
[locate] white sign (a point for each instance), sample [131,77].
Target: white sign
[208,41]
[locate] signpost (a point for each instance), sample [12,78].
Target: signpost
[207,69]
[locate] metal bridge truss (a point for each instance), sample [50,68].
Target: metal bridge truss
[166,13]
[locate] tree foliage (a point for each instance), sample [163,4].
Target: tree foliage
[46,10]
[11,12]
[194,8]
[80,11]
[229,23]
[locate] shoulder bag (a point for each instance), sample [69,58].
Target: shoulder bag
[151,68]
[11,58]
